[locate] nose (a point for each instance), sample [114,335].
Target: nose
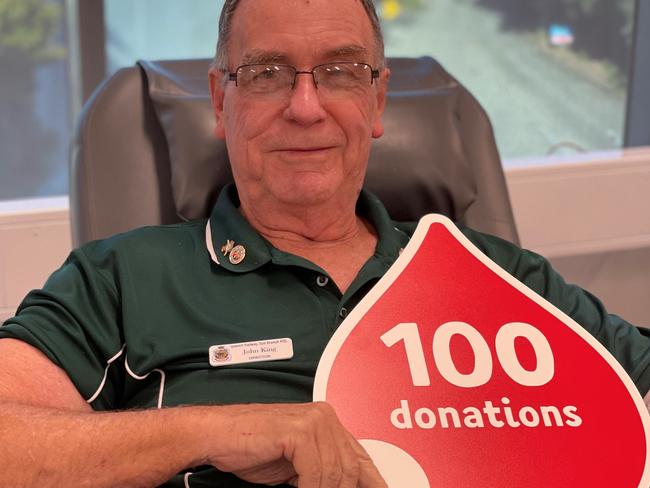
[305,106]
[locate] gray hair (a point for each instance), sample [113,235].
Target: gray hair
[220,61]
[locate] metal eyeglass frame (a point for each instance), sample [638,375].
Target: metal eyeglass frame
[374,73]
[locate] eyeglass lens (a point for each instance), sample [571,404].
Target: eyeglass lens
[334,79]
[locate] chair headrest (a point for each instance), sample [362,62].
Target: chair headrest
[421,120]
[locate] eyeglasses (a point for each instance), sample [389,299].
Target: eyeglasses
[336,80]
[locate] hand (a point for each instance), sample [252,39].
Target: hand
[303,445]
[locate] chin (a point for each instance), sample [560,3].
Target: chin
[308,191]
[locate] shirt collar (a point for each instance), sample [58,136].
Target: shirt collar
[227,224]
[390,240]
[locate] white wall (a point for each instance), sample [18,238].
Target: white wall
[591,218]
[34,240]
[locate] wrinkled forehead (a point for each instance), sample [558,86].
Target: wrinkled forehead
[301,31]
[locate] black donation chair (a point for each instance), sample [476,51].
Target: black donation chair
[145,153]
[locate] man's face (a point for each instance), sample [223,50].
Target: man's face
[305,148]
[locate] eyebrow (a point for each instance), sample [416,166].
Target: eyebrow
[348,51]
[261,56]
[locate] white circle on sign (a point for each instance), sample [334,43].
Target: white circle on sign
[396,466]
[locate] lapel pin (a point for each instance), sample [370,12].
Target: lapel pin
[227,247]
[237,254]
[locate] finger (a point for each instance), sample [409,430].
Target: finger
[348,451]
[305,458]
[355,461]
[369,476]
[331,457]
[325,428]
[349,458]
[272,473]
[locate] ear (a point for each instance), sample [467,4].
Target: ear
[382,88]
[217,94]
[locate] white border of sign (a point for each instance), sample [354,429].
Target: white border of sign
[344,330]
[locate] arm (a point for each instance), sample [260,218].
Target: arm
[49,436]
[629,345]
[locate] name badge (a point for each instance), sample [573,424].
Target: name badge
[251,352]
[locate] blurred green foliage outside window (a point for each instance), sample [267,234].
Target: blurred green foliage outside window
[33,99]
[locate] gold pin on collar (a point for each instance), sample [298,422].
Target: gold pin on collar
[237,254]
[227,247]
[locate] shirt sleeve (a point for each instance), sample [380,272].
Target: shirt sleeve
[630,345]
[75,321]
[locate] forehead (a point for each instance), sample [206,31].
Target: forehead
[301,31]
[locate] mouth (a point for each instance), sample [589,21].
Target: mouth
[304,150]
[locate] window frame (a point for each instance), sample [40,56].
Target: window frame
[89,38]
[89,43]
[637,126]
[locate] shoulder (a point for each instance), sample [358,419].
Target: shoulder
[135,252]
[525,265]
[493,246]
[511,257]
[148,242]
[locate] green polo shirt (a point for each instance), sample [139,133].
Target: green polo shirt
[131,318]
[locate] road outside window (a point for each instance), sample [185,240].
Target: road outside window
[552,74]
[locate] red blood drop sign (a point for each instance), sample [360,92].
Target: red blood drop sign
[453,373]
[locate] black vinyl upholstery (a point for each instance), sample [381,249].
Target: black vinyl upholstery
[145,154]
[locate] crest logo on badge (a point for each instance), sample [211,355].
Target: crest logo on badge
[453,373]
[221,354]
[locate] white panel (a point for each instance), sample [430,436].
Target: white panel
[33,242]
[621,279]
[4,286]
[31,254]
[5,313]
[583,208]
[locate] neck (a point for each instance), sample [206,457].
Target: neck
[309,226]
[330,235]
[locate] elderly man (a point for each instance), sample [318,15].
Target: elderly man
[125,326]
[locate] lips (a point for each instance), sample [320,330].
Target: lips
[304,149]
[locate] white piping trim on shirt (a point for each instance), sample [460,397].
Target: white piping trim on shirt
[186,479]
[138,377]
[208,243]
[103,383]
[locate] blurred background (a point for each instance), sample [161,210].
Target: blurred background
[566,84]
[553,74]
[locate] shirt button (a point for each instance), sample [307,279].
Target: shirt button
[322,280]
[343,312]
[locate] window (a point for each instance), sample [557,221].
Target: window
[35,121]
[159,29]
[552,74]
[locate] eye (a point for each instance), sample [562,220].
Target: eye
[339,71]
[342,75]
[263,78]
[267,73]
